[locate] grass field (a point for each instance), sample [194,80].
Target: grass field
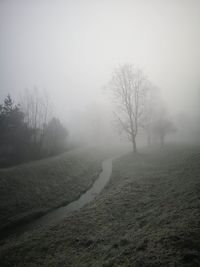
[29,190]
[147,215]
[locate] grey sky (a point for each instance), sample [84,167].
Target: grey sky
[71,47]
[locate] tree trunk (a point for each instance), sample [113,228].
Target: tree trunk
[134,145]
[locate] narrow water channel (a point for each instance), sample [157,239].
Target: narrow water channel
[57,215]
[88,196]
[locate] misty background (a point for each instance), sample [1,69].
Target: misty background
[69,49]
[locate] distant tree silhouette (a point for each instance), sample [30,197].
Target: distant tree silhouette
[14,133]
[163,127]
[36,108]
[129,88]
[21,141]
[55,135]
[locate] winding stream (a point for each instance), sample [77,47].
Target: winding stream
[65,211]
[88,196]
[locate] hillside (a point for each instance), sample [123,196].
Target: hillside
[148,215]
[29,190]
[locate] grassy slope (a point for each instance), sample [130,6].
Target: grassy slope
[148,215]
[34,188]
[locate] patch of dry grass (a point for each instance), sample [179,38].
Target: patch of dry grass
[148,215]
[29,190]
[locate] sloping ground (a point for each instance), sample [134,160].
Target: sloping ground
[148,215]
[29,190]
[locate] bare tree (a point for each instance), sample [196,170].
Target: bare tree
[129,88]
[162,126]
[55,135]
[37,109]
[157,123]
[152,102]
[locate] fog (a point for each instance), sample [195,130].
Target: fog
[70,49]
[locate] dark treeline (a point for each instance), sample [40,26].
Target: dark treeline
[23,139]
